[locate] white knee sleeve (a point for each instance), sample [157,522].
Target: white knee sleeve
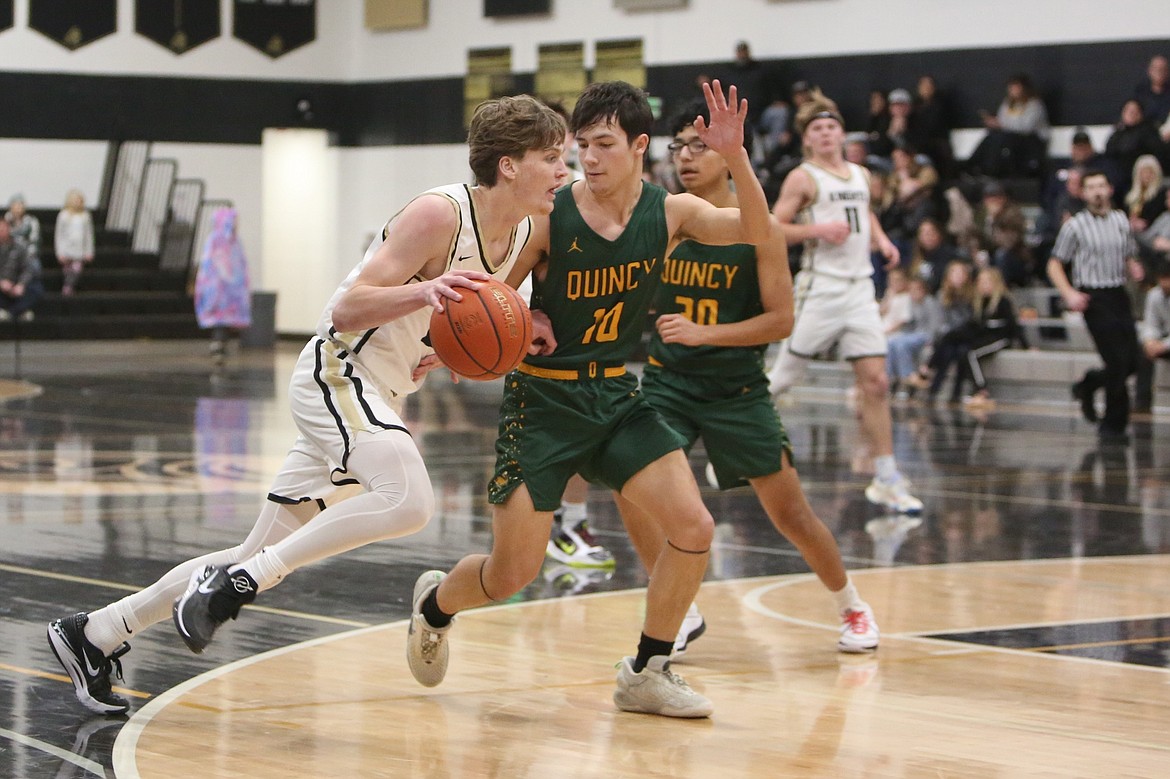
[399,501]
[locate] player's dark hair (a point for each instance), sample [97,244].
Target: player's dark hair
[509,127]
[614,101]
[1091,172]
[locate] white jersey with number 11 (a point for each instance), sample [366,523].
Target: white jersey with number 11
[839,200]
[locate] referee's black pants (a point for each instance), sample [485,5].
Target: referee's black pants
[1109,319]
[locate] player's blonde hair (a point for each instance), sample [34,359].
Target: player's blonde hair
[817,107]
[509,127]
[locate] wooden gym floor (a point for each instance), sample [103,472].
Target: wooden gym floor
[1025,617]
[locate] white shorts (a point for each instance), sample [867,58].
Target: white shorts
[335,407]
[830,311]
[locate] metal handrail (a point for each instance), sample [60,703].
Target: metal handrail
[154,200]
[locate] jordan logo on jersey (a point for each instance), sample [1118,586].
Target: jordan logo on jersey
[573,247]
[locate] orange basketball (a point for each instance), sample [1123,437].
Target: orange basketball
[486,334]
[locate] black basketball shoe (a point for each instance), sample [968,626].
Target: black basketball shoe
[86,665]
[213,597]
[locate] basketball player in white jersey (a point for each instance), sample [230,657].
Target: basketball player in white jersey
[346,395]
[824,203]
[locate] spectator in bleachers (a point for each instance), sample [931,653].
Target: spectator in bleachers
[856,148]
[1132,137]
[895,303]
[883,199]
[1155,239]
[1016,143]
[752,83]
[993,328]
[956,298]
[996,211]
[1011,255]
[73,239]
[776,126]
[20,276]
[1081,151]
[930,126]
[1146,199]
[883,202]
[877,125]
[857,152]
[931,254]
[1063,203]
[960,215]
[1081,154]
[914,180]
[1155,334]
[1154,91]
[25,226]
[905,346]
[900,108]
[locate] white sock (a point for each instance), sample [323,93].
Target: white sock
[886,468]
[574,512]
[110,626]
[847,598]
[266,569]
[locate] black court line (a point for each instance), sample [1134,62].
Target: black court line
[1135,641]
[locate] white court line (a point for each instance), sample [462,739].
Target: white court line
[83,762]
[125,762]
[753,600]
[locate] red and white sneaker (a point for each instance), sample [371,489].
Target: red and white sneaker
[859,631]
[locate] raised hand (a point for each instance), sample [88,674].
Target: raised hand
[724,134]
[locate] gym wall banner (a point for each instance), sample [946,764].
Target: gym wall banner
[73,23]
[275,27]
[180,25]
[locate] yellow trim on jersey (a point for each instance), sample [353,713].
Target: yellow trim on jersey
[589,372]
[331,372]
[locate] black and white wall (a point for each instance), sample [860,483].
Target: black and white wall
[392,102]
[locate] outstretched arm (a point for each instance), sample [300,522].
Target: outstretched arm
[693,217]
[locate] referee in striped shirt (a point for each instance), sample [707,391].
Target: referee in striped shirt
[1095,248]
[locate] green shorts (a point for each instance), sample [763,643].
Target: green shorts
[737,422]
[551,428]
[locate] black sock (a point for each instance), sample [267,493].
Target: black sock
[647,648]
[435,617]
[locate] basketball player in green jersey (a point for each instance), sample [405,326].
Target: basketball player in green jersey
[720,306]
[576,409]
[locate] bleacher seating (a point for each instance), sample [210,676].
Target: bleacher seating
[122,294]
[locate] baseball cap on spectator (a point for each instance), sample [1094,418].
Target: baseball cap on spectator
[1081,137]
[994,189]
[899,96]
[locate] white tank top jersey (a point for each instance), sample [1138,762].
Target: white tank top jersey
[390,353]
[839,200]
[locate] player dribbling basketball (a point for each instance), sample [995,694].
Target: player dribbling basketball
[345,395]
